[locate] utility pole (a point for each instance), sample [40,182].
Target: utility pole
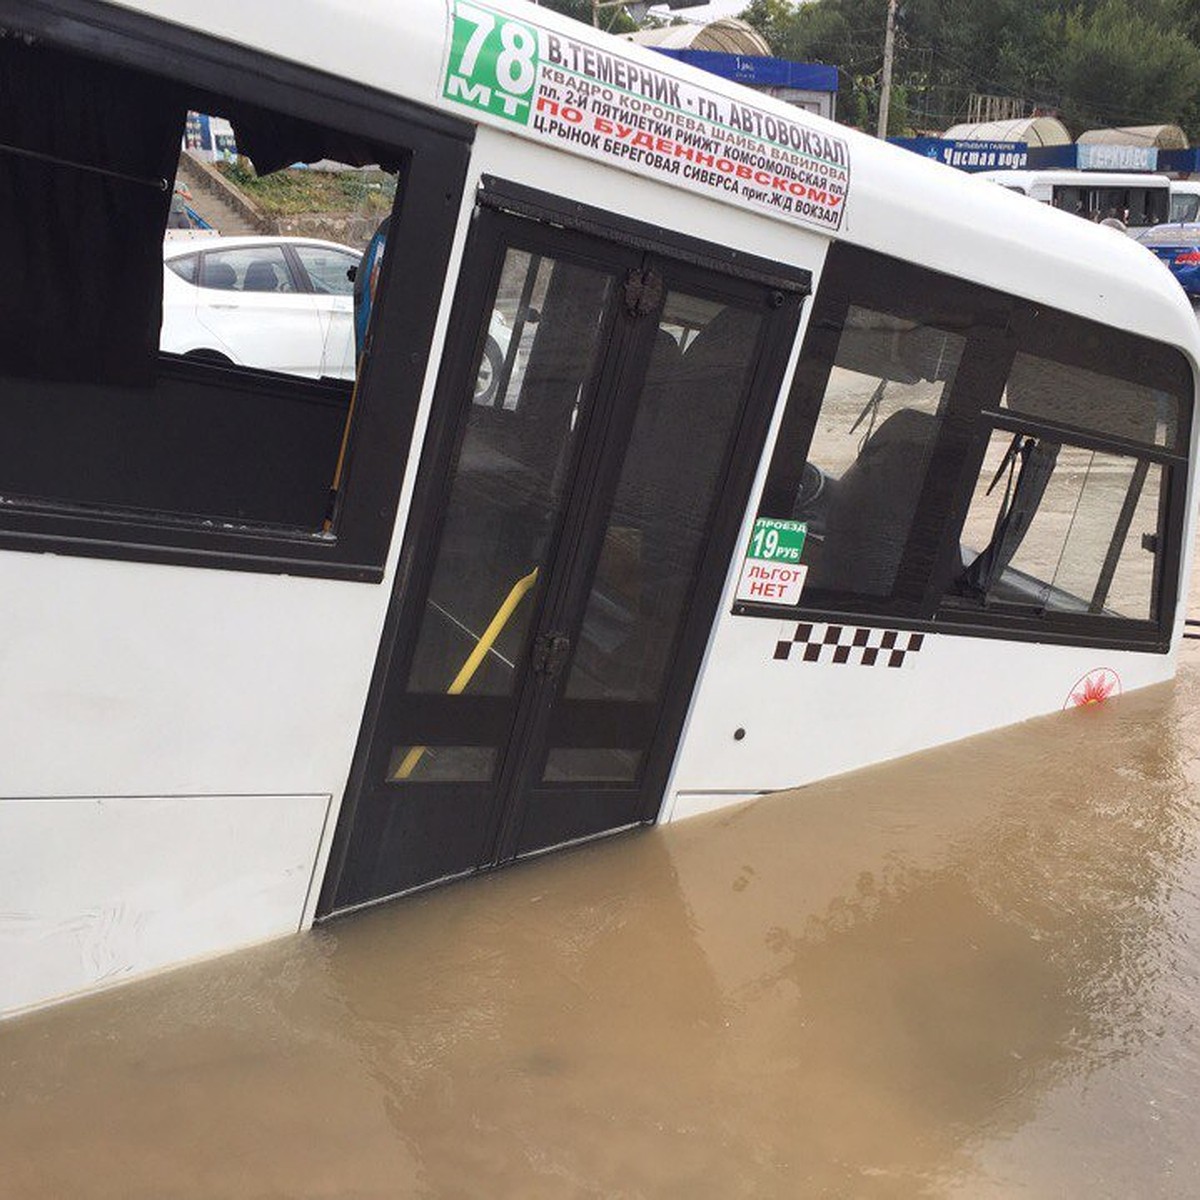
[889,49]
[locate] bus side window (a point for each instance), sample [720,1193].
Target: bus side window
[871,449]
[956,454]
[882,360]
[193,387]
[1058,522]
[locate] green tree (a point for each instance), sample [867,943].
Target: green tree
[1119,67]
[1099,61]
[847,34]
[774,19]
[615,20]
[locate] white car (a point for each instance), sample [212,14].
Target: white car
[277,303]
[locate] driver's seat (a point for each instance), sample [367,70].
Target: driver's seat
[872,508]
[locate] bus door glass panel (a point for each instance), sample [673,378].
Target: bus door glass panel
[686,415]
[251,304]
[509,480]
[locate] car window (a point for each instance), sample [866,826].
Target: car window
[247,269]
[185,266]
[328,269]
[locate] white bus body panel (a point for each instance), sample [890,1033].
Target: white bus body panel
[806,721]
[233,700]
[94,892]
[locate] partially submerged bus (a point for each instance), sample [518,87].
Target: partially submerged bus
[1137,201]
[797,453]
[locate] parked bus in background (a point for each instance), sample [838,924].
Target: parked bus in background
[1137,201]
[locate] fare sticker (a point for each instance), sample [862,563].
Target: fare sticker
[772,572]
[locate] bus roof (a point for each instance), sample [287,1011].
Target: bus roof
[897,202]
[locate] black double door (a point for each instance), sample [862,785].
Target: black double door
[586,471]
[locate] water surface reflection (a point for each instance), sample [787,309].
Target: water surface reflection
[971,973]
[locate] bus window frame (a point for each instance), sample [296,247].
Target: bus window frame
[436,150]
[996,327]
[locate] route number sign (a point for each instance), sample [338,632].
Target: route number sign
[493,63]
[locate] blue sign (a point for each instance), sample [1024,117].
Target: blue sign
[1099,156]
[757,71]
[197,132]
[967,155]
[1094,156]
[1180,162]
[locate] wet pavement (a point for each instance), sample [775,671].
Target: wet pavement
[971,974]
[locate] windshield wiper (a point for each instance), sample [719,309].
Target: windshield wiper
[1023,491]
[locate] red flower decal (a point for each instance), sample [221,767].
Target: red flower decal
[1094,688]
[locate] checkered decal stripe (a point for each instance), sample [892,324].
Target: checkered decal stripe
[850,644]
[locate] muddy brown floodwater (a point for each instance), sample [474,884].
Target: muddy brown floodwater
[971,974]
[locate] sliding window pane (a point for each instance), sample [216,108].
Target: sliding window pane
[1103,404]
[1062,529]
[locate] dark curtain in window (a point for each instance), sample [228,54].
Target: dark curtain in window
[81,251]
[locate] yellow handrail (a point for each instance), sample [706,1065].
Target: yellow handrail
[465,673]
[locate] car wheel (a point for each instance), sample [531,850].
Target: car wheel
[487,382]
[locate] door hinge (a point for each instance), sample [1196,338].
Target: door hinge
[643,292]
[550,654]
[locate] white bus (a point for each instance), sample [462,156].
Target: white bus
[1137,201]
[804,454]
